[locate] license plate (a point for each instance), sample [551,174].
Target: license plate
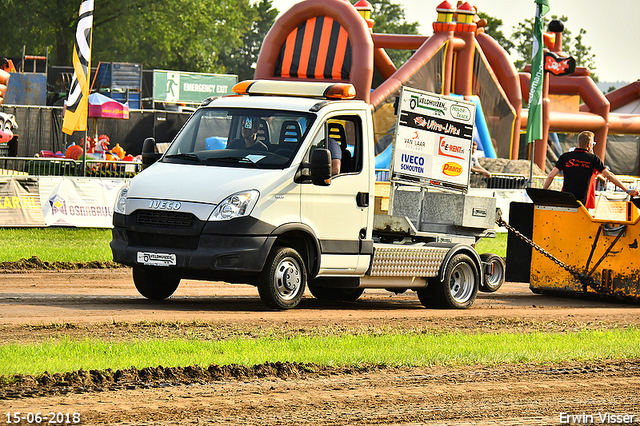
[156,259]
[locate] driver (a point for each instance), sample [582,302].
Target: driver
[249,139]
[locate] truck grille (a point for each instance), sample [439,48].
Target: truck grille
[142,239]
[162,219]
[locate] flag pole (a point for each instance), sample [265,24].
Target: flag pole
[534,117]
[84,157]
[77,104]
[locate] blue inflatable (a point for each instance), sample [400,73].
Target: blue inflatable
[484,137]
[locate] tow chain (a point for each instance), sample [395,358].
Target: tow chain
[586,279]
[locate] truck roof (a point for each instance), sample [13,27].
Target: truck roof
[266,102]
[290,103]
[287,95]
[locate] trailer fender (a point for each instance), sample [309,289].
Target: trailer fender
[455,249]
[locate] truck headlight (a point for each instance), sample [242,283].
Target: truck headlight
[121,199]
[236,205]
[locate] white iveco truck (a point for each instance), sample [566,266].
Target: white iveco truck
[216,206]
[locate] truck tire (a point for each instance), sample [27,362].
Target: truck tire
[155,284]
[493,280]
[282,282]
[460,286]
[335,294]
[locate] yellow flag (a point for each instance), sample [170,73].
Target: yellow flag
[75,116]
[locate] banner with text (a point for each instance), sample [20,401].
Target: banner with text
[190,88]
[433,140]
[81,202]
[20,202]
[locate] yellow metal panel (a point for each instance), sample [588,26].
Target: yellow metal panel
[569,235]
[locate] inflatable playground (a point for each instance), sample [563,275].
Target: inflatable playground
[334,40]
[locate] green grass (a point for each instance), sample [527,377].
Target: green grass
[88,244]
[55,244]
[345,350]
[497,245]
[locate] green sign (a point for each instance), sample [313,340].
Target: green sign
[190,88]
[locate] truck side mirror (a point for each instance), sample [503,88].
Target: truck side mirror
[149,154]
[320,167]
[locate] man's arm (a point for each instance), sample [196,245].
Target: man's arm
[613,179]
[335,166]
[549,179]
[481,170]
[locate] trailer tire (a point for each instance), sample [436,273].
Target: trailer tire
[155,284]
[282,282]
[494,280]
[460,286]
[425,295]
[335,294]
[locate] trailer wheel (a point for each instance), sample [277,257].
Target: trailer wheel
[493,279]
[460,286]
[335,294]
[282,282]
[155,284]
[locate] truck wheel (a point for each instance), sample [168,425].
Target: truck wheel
[494,279]
[349,294]
[282,282]
[155,284]
[460,286]
[335,294]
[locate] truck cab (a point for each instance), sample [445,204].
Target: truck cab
[271,213]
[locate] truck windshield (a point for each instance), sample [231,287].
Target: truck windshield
[240,138]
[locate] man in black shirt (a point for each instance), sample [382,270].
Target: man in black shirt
[580,166]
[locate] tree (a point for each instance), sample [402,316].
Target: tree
[582,54]
[523,34]
[493,29]
[185,35]
[41,25]
[389,18]
[242,60]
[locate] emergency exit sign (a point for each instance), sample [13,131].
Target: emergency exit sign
[190,88]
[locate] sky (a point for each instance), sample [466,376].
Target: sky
[612,26]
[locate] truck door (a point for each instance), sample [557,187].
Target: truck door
[339,213]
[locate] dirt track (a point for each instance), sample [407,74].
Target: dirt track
[104,303]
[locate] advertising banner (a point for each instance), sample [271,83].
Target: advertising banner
[80,202]
[190,88]
[433,140]
[20,202]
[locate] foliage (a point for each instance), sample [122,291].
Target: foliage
[38,25]
[493,29]
[185,35]
[241,60]
[522,38]
[389,18]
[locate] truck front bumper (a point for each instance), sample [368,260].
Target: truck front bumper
[205,256]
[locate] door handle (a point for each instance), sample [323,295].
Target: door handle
[362,199]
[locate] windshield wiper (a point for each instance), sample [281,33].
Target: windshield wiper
[185,156]
[230,159]
[233,160]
